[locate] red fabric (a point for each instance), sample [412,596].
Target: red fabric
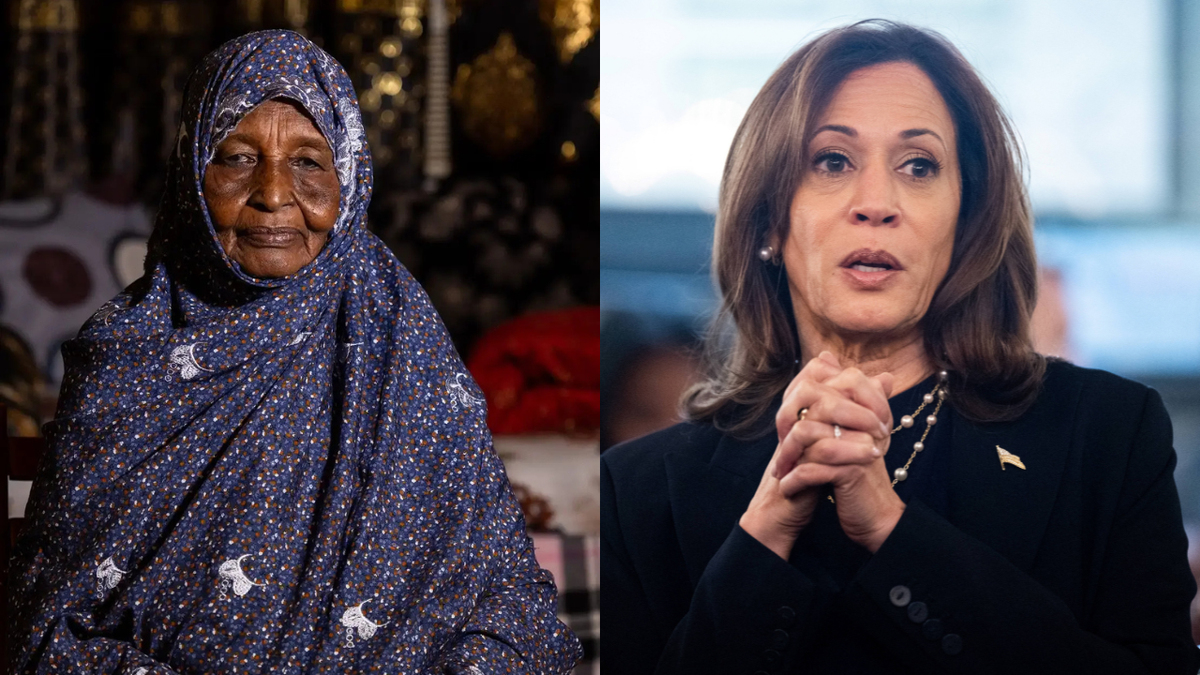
[541,372]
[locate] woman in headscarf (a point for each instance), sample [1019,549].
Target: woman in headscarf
[268,456]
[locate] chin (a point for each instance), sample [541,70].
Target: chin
[873,320]
[270,269]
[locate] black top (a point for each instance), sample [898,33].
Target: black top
[1077,563]
[838,559]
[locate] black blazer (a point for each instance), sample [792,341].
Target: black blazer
[1077,564]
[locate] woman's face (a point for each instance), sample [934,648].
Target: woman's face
[872,223]
[272,191]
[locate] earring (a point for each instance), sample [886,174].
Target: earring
[766,253]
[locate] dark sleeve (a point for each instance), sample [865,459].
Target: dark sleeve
[980,614]
[750,611]
[514,627]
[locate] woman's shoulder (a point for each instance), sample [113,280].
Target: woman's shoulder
[1090,386]
[1107,412]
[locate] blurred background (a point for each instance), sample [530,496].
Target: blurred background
[1105,95]
[483,122]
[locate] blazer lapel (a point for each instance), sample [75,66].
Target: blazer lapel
[1004,506]
[708,498]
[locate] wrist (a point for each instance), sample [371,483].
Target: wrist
[770,535]
[880,535]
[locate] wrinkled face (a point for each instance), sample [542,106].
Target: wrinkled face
[872,222]
[272,191]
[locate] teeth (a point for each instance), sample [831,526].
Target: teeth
[862,267]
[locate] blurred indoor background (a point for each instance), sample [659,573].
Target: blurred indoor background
[1105,95]
[483,123]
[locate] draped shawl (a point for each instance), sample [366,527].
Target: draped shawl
[274,476]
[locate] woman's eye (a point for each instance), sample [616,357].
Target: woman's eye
[832,162]
[241,159]
[921,167]
[307,163]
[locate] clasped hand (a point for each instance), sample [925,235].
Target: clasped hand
[812,454]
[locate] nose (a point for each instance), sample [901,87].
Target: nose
[875,199]
[273,185]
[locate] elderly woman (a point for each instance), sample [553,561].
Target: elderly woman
[268,457]
[875,256]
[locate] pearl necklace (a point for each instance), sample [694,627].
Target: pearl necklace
[939,392]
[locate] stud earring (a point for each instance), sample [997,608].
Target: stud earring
[766,253]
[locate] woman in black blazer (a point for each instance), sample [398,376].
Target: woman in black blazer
[874,235]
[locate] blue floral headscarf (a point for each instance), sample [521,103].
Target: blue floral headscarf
[274,476]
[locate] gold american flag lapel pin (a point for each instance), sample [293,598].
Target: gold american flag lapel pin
[1007,457]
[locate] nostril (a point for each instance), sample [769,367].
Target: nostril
[889,219]
[862,217]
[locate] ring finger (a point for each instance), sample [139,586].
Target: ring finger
[812,441]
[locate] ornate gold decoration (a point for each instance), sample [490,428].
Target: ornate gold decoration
[391,7]
[291,13]
[573,23]
[47,15]
[497,96]
[1007,457]
[410,13]
[391,47]
[593,105]
[251,11]
[169,17]
[295,12]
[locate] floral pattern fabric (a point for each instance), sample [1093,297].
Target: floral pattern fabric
[274,476]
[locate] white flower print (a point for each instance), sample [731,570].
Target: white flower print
[106,310]
[108,575]
[232,575]
[346,350]
[180,136]
[346,152]
[300,337]
[459,393]
[353,619]
[225,121]
[183,357]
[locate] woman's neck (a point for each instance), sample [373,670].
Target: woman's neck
[904,358]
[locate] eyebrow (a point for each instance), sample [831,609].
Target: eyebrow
[906,134]
[912,133]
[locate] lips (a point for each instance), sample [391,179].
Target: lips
[269,237]
[871,270]
[871,261]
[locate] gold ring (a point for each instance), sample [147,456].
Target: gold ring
[801,414]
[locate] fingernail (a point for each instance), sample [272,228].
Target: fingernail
[884,430]
[876,452]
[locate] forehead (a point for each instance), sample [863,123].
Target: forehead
[289,114]
[889,98]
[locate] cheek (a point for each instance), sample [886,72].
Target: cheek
[223,196]
[941,239]
[808,238]
[321,199]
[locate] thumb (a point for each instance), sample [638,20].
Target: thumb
[886,381]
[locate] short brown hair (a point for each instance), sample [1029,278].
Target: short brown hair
[977,326]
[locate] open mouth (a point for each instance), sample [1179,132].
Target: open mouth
[867,260]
